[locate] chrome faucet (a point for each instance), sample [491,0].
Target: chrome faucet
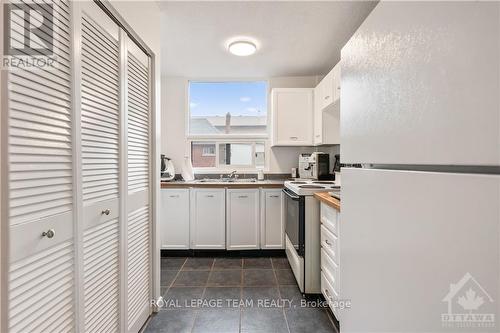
[232,174]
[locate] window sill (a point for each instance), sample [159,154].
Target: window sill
[207,171]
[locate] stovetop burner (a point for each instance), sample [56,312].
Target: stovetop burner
[311,186]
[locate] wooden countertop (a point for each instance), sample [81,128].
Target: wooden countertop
[197,184]
[328,199]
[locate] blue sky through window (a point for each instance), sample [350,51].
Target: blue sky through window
[218,98]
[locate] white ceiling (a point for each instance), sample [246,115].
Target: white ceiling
[296,38]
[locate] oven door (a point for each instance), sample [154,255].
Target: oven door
[295,220]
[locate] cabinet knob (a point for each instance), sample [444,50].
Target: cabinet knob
[327,97]
[106,212]
[328,242]
[49,233]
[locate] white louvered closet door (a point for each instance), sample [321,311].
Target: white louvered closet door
[100,150]
[138,263]
[40,181]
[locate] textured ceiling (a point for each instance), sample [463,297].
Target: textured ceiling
[295,38]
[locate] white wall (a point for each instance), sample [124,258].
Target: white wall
[173,127]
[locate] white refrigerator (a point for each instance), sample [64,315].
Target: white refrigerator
[420,222]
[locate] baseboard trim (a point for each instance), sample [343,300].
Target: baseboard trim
[223,253]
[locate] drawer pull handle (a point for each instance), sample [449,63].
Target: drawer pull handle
[242,196]
[327,292]
[174,196]
[209,196]
[274,196]
[328,242]
[106,212]
[293,137]
[327,97]
[49,233]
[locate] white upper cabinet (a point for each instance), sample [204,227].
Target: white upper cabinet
[327,109]
[327,93]
[336,82]
[208,218]
[272,227]
[174,218]
[318,117]
[292,110]
[242,226]
[423,88]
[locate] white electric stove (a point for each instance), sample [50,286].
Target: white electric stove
[302,228]
[309,186]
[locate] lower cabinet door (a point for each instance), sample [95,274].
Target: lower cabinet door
[174,218]
[242,219]
[208,219]
[272,227]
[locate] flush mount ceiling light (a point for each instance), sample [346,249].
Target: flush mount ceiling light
[242,48]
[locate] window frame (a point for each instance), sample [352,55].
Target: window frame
[218,139]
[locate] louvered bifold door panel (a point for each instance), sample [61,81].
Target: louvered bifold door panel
[138,125]
[40,183]
[138,183]
[100,261]
[100,117]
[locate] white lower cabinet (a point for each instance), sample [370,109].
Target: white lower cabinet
[174,215]
[217,218]
[208,218]
[272,227]
[330,273]
[242,215]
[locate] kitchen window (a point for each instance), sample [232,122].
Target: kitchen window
[243,155]
[228,124]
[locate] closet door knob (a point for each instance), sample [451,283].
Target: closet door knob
[49,233]
[106,212]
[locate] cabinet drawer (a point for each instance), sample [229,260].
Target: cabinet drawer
[330,217]
[330,243]
[331,270]
[329,292]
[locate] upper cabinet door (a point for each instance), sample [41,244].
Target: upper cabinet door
[318,114]
[328,96]
[420,83]
[336,82]
[292,110]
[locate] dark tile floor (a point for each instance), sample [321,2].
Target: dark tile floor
[234,295]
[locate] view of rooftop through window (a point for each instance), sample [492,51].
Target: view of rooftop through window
[217,108]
